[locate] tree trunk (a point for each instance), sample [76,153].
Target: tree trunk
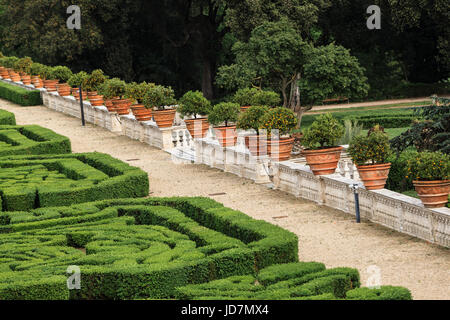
[284,85]
[207,79]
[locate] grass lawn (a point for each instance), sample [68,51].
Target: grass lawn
[391,132]
[387,106]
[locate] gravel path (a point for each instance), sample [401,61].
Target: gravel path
[367,104]
[325,235]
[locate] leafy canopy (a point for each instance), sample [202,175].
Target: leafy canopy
[282,119]
[371,149]
[252,118]
[224,113]
[193,103]
[324,132]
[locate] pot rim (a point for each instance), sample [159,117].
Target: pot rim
[325,150]
[422,182]
[374,166]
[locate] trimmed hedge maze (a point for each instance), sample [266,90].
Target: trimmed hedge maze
[20,95]
[292,281]
[34,140]
[133,248]
[28,182]
[7,118]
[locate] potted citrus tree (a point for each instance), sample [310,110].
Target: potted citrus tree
[75,82]
[250,120]
[91,84]
[50,80]
[244,97]
[322,155]
[194,104]
[161,99]
[369,154]
[430,172]
[10,64]
[136,93]
[279,123]
[222,117]
[23,66]
[62,74]
[116,90]
[35,71]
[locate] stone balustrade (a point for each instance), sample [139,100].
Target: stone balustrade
[390,209]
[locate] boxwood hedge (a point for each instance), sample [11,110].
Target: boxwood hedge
[21,140]
[7,118]
[28,182]
[20,95]
[133,248]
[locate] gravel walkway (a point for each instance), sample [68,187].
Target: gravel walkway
[325,235]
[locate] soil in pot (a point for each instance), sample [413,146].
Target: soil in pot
[323,161]
[280,149]
[374,176]
[164,118]
[198,128]
[141,113]
[227,136]
[434,194]
[257,145]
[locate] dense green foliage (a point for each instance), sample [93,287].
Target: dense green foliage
[28,182]
[224,113]
[399,180]
[281,119]
[194,104]
[251,119]
[93,81]
[324,132]
[159,97]
[371,149]
[20,95]
[77,79]
[137,91]
[22,140]
[428,166]
[7,118]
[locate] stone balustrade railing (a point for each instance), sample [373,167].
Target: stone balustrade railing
[390,209]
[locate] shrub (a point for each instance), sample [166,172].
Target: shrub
[7,118]
[93,81]
[266,98]
[373,149]
[20,95]
[61,73]
[10,62]
[244,97]
[36,69]
[136,91]
[158,97]
[324,132]
[114,88]
[352,129]
[32,140]
[398,179]
[384,293]
[429,166]
[252,118]
[24,65]
[77,79]
[225,112]
[193,104]
[282,119]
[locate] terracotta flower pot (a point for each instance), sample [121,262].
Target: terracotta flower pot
[374,176]
[63,89]
[227,136]
[37,82]
[323,161]
[257,145]
[280,149]
[4,73]
[122,106]
[164,118]
[50,85]
[96,101]
[14,76]
[244,108]
[197,127]
[26,78]
[91,94]
[109,105]
[141,113]
[76,94]
[434,194]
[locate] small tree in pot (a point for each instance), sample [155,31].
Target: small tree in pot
[161,99]
[322,154]
[92,82]
[76,81]
[23,66]
[35,71]
[136,92]
[194,104]
[116,90]
[431,174]
[279,123]
[251,120]
[370,154]
[63,74]
[225,114]
[244,97]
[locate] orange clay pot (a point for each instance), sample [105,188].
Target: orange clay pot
[164,118]
[323,161]
[63,89]
[198,128]
[227,136]
[257,145]
[50,85]
[121,106]
[244,108]
[37,82]
[96,101]
[141,113]
[26,78]
[4,73]
[14,76]
[374,176]
[434,194]
[280,149]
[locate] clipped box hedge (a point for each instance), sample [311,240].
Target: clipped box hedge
[28,182]
[20,95]
[133,248]
[292,281]
[32,140]
[7,118]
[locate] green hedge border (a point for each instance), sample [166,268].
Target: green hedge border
[124,181]
[36,140]
[20,95]
[7,118]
